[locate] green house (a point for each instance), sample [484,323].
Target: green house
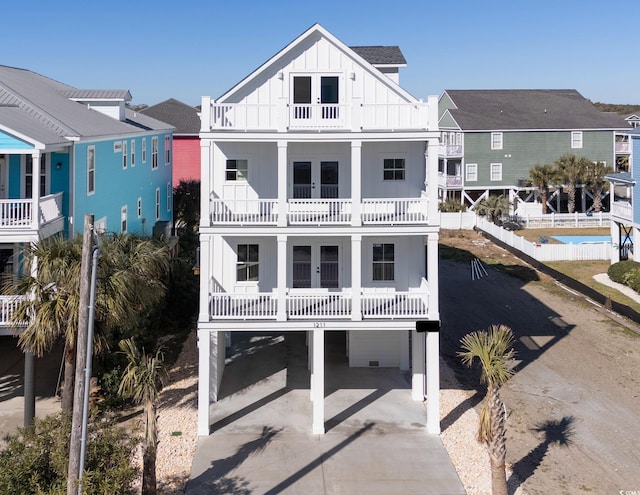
[490,139]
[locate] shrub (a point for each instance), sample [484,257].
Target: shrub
[623,271]
[452,205]
[35,460]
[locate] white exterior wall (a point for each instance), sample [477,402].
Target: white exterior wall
[373,183]
[408,267]
[262,170]
[224,264]
[384,347]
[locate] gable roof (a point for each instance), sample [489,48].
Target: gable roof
[317,31]
[37,108]
[180,115]
[381,55]
[513,109]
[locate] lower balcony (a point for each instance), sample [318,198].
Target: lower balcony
[622,210]
[314,304]
[17,215]
[319,211]
[8,305]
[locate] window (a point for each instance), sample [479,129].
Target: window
[144,150]
[133,153]
[169,196]
[154,152]
[124,154]
[247,264]
[496,140]
[576,139]
[158,203]
[28,176]
[393,169]
[91,170]
[496,171]
[383,262]
[167,150]
[237,170]
[139,207]
[123,219]
[472,172]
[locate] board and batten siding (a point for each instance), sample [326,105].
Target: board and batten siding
[370,348]
[521,151]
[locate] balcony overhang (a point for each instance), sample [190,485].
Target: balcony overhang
[621,178]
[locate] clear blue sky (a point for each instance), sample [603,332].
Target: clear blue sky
[189,48]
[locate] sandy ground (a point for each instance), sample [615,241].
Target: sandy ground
[573,403]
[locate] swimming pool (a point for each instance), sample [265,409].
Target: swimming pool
[581,239]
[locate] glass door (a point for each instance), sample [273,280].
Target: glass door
[307,174]
[316,266]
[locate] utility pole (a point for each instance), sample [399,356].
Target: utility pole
[81,357]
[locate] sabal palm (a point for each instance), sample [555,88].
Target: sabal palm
[493,349]
[572,169]
[142,380]
[129,280]
[493,207]
[594,177]
[543,176]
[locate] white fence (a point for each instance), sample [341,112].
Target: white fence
[547,252]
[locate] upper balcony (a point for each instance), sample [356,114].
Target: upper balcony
[17,218]
[623,147]
[449,181]
[451,151]
[285,117]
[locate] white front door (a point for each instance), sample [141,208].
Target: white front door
[316,265]
[315,179]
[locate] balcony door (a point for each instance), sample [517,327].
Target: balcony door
[316,266]
[315,180]
[315,92]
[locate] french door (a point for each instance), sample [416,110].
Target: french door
[316,266]
[316,90]
[315,179]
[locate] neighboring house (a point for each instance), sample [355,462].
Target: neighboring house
[315,216]
[92,155]
[492,138]
[186,139]
[625,205]
[634,120]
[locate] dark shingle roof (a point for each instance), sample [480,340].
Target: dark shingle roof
[180,115]
[506,109]
[380,55]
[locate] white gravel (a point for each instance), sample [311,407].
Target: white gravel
[178,439]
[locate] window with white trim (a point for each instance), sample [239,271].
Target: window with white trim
[383,262]
[144,150]
[167,150]
[154,152]
[472,172]
[496,171]
[237,170]
[158,203]
[496,140]
[124,154]
[576,139]
[393,169]
[91,170]
[123,219]
[133,153]
[169,196]
[248,262]
[139,207]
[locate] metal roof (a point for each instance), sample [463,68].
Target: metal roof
[97,94]
[515,109]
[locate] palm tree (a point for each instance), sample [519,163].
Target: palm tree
[129,281]
[186,203]
[572,170]
[594,178]
[142,380]
[493,207]
[493,348]
[543,176]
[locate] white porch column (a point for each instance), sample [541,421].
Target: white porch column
[35,190]
[431,162]
[205,276]
[206,161]
[417,365]
[318,382]
[356,277]
[615,240]
[281,268]
[282,183]
[432,276]
[356,183]
[204,380]
[433,382]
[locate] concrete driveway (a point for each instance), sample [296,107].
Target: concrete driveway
[261,441]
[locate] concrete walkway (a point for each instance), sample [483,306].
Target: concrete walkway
[261,441]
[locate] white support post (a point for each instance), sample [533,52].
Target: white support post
[282,183]
[356,277]
[433,383]
[205,277]
[433,276]
[356,183]
[205,114]
[206,182]
[417,365]
[281,267]
[204,379]
[431,161]
[35,190]
[318,382]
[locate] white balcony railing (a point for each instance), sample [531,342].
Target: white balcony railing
[323,211]
[622,209]
[623,147]
[50,208]
[451,150]
[244,211]
[449,180]
[394,211]
[8,304]
[321,304]
[18,213]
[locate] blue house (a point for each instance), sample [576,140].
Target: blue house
[66,152]
[625,204]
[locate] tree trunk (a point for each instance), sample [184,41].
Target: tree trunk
[571,193]
[69,376]
[498,479]
[543,198]
[597,200]
[149,470]
[498,444]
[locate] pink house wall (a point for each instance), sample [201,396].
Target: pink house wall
[186,159]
